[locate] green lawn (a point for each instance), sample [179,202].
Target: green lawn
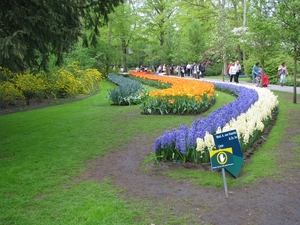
[42,151]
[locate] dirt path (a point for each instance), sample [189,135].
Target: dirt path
[267,201]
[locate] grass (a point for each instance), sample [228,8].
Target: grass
[42,151]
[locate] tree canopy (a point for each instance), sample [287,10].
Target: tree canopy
[32,30]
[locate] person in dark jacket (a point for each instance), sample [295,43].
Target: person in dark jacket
[202,70]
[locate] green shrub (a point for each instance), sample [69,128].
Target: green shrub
[61,83]
[30,86]
[214,69]
[9,93]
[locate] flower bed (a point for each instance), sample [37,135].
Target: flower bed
[249,114]
[183,97]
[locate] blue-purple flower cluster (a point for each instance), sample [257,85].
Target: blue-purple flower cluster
[184,138]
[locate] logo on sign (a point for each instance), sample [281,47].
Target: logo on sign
[222,158]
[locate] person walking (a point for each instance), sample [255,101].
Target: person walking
[194,70]
[238,72]
[182,70]
[178,70]
[282,72]
[172,69]
[202,70]
[228,68]
[188,68]
[232,71]
[255,71]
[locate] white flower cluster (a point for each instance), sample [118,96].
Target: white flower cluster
[247,123]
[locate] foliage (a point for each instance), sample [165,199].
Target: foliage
[30,86]
[213,69]
[71,81]
[5,74]
[261,39]
[62,83]
[9,93]
[128,92]
[31,30]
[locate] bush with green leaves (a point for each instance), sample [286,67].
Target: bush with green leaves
[214,69]
[30,85]
[128,92]
[9,93]
[65,82]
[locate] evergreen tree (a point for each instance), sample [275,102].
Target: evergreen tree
[32,30]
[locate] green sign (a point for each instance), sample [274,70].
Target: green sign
[230,139]
[221,158]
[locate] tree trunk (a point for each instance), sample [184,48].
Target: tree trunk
[108,59]
[295,79]
[124,55]
[244,25]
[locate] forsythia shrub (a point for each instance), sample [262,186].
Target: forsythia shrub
[9,93]
[72,81]
[30,86]
[62,83]
[5,74]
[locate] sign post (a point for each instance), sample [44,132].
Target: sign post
[225,183]
[219,160]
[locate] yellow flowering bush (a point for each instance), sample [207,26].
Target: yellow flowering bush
[9,93]
[62,83]
[30,85]
[72,81]
[5,74]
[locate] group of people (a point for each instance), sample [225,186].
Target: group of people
[192,70]
[141,69]
[234,70]
[258,77]
[257,72]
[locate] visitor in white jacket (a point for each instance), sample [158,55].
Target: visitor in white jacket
[232,71]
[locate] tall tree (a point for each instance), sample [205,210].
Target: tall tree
[262,37]
[31,30]
[158,14]
[124,23]
[288,13]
